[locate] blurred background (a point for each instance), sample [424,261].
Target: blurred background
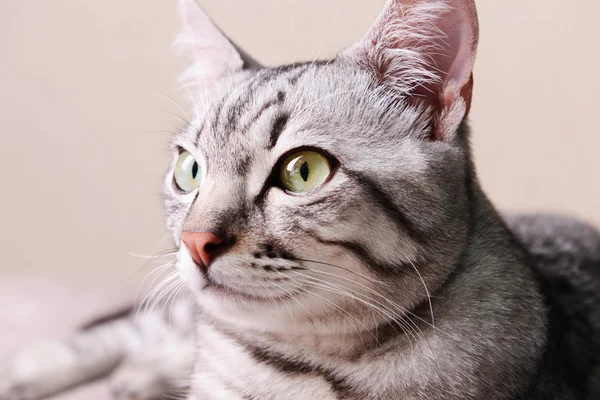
[89,95]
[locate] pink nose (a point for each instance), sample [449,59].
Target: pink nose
[202,246]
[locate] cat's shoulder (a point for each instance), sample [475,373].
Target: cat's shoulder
[565,254]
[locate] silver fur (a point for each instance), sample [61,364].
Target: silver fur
[395,279]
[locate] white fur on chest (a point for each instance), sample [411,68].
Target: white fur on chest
[225,370]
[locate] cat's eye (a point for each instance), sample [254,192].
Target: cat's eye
[304,171]
[187,172]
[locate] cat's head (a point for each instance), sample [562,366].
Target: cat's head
[329,194]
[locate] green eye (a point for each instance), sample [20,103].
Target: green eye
[304,171]
[187,172]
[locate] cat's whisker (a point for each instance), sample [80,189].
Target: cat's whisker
[323,42]
[299,101]
[426,289]
[345,291]
[338,308]
[185,87]
[166,296]
[150,281]
[368,279]
[402,310]
[408,312]
[166,253]
[172,113]
[171,100]
[159,131]
[151,299]
[171,302]
[289,296]
[154,274]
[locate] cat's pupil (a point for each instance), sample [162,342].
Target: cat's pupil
[304,171]
[195,170]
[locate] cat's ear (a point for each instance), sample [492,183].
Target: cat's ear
[215,56]
[425,50]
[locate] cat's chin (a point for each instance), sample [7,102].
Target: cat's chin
[235,308]
[231,293]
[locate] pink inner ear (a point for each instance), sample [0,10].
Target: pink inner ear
[460,26]
[452,55]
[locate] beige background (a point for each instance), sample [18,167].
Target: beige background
[82,83]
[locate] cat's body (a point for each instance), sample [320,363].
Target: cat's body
[338,245]
[157,364]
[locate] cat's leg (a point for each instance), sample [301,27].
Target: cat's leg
[159,372]
[50,367]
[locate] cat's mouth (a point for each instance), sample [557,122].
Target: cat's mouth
[273,285]
[224,291]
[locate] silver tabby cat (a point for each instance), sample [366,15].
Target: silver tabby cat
[333,233]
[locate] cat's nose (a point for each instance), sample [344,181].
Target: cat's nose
[203,246]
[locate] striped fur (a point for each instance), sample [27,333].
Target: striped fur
[151,354]
[394,279]
[397,278]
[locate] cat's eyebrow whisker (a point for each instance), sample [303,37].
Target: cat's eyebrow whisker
[174,114]
[323,42]
[171,100]
[373,93]
[159,131]
[325,97]
[317,74]
[185,87]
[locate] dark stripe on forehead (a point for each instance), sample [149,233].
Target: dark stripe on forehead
[254,82]
[199,132]
[217,114]
[232,108]
[278,127]
[237,110]
[278,101]
[296,77]
[291,71]
[388,206]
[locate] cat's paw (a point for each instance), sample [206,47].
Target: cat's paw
[11,390]
[159,372]
[138,383]
[35,372]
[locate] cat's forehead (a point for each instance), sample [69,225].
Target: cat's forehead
[260,114]
[250,108]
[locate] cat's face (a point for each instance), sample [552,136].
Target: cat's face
[327,191]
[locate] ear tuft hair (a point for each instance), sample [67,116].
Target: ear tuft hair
[214,55]
[425,50]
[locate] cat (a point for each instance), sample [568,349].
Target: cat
[332,232]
